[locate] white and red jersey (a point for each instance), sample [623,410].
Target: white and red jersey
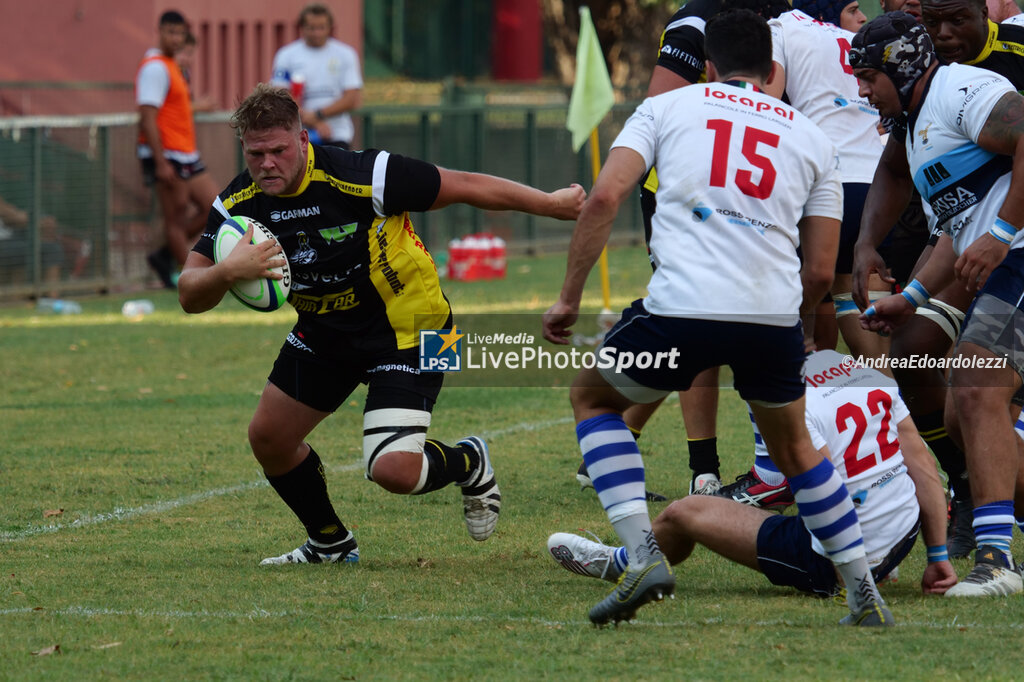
[737,169]
[821,85]
[855,412]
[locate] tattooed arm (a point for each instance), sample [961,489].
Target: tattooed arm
[1003,133]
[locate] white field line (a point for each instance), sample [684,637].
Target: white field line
[121,513]
[262,614]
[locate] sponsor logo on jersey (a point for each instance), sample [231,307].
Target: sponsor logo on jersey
[321,305]
[757,106]
[385,266]
[948,204]
[935,173]
[338,232]
[307,212]
[824,376]
[294,341]
[685,57]
[969,95]
[701,213]
[737,218]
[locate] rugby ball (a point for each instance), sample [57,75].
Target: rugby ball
[262,294]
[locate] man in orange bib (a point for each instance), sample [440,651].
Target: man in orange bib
[167,144]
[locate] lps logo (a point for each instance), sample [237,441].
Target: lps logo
[441,350]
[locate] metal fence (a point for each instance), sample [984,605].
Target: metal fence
[75,216]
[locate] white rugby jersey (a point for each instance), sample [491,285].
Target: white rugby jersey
[820,84]
[328,71]
[737,169]
[855,412]
[964,184]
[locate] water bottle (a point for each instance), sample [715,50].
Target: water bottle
[137,308]
[59,306]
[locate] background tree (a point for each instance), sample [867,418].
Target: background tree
[629,31]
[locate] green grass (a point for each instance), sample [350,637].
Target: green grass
[137,431]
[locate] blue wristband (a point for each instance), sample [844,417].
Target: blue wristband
[1003,231]
[916,294]
[937,553]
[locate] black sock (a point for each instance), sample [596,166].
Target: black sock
[447,464]
[304,490]
[703,456]
[950,457]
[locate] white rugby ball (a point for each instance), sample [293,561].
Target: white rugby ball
[262,294]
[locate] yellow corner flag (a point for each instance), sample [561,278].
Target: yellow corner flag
[592,94]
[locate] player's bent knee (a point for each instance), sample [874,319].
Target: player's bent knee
[402,473]
[393,440]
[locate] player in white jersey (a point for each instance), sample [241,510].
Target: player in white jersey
[813,72]
[965,137]
[744,179]
[816,76]
[858,421]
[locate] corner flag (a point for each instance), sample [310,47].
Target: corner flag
[592,94]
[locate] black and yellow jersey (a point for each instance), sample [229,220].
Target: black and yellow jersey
[681,49]
[358,266]
[1003,53]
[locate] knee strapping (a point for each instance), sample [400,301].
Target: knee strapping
[394,430]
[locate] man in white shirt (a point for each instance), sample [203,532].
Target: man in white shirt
[324,76]
[743,179]
[857,420]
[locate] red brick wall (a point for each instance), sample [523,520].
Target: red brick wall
[103,41]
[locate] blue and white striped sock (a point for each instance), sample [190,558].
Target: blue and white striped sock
[764,467]
[827,510]
[993,525]
[617,471]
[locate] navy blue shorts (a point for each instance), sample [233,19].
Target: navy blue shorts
[786,557]
[854,194]
[767,361]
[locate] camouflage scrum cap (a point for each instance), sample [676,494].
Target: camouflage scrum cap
[895,44]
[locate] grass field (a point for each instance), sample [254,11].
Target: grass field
[133,519]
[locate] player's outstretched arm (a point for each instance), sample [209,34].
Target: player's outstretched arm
[888,196]
[203,283]
[493,193]
[939,576]
[617,179]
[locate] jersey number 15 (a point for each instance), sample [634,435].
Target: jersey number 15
[744,178]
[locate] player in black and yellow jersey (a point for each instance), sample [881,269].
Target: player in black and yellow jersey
[363,285]
[962,33]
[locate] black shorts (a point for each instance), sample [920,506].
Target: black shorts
[323,381]
[903,245]
[184,170]
[772,373]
